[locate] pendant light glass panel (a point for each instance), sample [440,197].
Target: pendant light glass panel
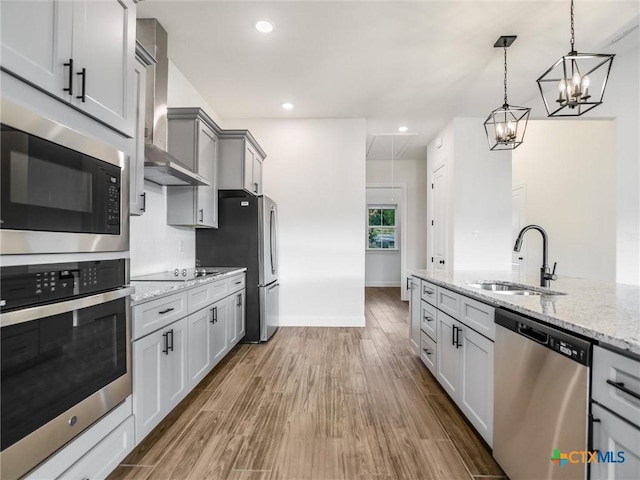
[575,84]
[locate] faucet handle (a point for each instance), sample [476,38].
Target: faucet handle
[552,275]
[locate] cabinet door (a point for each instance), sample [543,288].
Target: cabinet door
[104,34]
[257,174]
[148,405]
[218,329]
[414,324]
[476,381]
[199,346]
[137,197]
[36,42]
[610,436]
[236,318]
[236,302]
[249,162]
[207,197]
[241,319]
[448,355]
[175,365]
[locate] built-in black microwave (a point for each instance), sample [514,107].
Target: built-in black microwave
[61,191]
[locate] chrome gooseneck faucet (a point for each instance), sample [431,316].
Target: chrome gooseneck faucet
[545,276]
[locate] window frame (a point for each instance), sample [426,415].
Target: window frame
[382,206]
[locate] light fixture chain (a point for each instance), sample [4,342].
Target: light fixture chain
[505,73]
[573,34]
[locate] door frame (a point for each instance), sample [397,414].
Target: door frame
[404,232]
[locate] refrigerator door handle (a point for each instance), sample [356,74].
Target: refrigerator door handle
[274,239]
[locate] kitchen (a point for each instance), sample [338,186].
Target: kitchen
[320,159]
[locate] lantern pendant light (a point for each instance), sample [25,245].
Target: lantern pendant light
[575,84]
[505,126]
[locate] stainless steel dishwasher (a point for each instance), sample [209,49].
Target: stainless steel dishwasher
[541,398]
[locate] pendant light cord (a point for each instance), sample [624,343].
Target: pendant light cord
[573,34]
[505,73]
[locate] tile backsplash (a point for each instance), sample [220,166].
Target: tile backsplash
[156,246]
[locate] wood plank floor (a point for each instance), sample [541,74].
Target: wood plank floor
[318,403]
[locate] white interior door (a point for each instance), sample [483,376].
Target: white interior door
[439,219]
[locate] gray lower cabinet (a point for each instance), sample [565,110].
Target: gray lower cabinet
[241,161]
[218,329]
[159,375]
[448,363]
[612,435]
[615,418]
[177,340]
[193,140]
[456,345]
[415,307]
[59,46]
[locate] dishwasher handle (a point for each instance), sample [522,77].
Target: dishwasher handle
[533,334]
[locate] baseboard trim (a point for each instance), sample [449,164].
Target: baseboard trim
[382,284]
[299,321]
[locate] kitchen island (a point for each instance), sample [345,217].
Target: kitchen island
[608,313]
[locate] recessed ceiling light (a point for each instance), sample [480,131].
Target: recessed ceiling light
[403,129]
[287,106]
[264,26]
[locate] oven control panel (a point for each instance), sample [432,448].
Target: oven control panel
[31,285]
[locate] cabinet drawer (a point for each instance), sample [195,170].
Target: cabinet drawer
[428,319]
[611,374]
[428,292]
[99,462]
[207,294]
[236,283]
[448,302]
[612,435]
[478,316]
[428,352]
[151,316]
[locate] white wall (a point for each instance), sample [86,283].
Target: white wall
[478,206]
[412,174]
[155,246]
[622,102]
[570,189]
[315,171]
[382,267]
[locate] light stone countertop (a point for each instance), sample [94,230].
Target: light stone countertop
[606,312]
[146,291]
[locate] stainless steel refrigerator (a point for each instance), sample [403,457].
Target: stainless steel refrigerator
[247,236]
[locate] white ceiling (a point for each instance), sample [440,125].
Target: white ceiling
[394,63]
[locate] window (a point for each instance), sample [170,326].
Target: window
[382,227]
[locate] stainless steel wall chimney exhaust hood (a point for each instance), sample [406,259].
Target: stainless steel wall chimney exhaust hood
[159,166]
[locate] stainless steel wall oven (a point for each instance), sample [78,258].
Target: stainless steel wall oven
[65,354]
[60,191]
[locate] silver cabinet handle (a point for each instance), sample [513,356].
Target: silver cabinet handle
[201,215]
[214,315]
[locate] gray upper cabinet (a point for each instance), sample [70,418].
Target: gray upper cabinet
[80,51]
[137,197]
[193,140]
[240,162]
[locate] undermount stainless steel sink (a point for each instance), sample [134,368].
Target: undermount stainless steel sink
[508,288]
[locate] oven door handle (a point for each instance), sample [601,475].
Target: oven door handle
[34,313]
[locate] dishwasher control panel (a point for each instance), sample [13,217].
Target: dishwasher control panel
[575,352]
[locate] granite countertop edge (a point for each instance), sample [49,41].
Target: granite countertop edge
[625,345]
[146,291]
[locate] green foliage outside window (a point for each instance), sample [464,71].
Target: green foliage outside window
[382,228]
